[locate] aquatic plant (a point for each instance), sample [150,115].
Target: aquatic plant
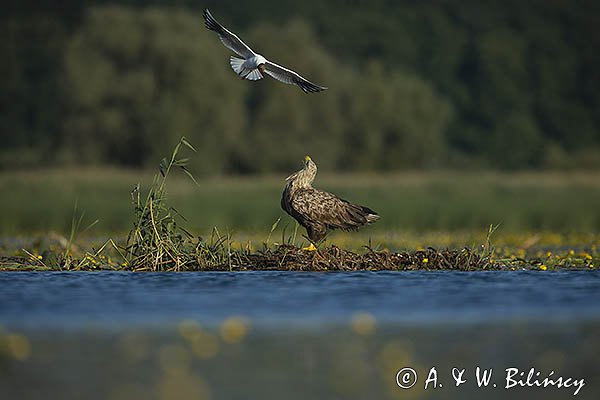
[157,241]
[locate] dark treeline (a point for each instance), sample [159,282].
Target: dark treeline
[507,84]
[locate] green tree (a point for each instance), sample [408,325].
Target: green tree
[150,78]
[286,123]
[101,83]
[30,101]
[394,121]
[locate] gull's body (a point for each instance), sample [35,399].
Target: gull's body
[252,65]
[251,68]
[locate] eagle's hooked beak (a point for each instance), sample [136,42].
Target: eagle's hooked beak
[307,159]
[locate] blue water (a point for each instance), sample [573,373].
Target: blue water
[120,299]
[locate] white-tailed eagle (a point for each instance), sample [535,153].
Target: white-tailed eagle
[318,211]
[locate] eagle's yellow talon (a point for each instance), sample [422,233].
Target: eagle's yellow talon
[310,248]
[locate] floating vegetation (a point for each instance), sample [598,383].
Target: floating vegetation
[218,255]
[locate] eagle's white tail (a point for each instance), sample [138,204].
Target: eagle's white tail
[372,218]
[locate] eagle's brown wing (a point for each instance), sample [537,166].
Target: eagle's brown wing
[318,207]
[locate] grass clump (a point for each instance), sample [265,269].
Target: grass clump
[158,241]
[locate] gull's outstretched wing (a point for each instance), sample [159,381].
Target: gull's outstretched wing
[290,77]
[228,38]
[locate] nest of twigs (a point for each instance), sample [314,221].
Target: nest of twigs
[333,258]
[292,258]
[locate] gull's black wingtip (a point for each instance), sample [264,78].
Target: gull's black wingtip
[210,22]
[311,87]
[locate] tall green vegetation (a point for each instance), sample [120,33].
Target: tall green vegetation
[157,241]
[501,84]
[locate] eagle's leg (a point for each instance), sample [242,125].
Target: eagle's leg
[316,235]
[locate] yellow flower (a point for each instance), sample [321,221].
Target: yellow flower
[591,265]
[548,254]
[571,252]
[588,256]
[39,257]
[425,260]
[543,267]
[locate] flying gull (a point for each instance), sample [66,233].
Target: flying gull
[252,66]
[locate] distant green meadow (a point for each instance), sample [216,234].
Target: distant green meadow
[44,201]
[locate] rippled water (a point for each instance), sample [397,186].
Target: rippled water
[115,335]
[37,299]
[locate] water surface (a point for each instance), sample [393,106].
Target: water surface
[119,335]
[122,299]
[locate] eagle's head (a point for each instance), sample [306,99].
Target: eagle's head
[307,161]
[310,166]
[305,176]
[309,171]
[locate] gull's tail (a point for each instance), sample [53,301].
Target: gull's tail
[237,64]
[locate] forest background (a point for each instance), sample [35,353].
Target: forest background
[412,85]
